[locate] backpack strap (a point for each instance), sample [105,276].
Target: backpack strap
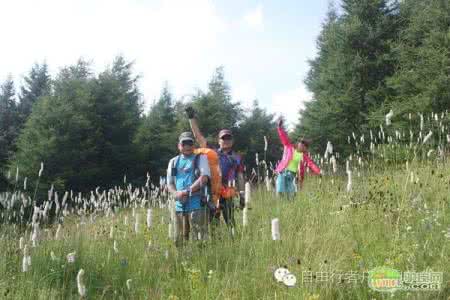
[175,166]
[195,167]
[195,170]
[206,192]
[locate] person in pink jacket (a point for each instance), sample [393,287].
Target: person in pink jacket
[294,162]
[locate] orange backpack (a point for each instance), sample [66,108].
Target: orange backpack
[216,175]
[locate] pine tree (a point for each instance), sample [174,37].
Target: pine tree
[348,77]
[117,117]
[215,108]
[83,131]
[8,126]
[37,84]
[421,82]
[156,139]
[250,137]
[59,132]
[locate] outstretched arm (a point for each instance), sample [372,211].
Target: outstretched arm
[311,165]
[194,127]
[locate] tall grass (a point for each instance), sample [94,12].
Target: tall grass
[387,220]
[396,214]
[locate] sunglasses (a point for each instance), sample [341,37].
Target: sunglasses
[187,143]
[226,138]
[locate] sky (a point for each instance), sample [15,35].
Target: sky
[263,46]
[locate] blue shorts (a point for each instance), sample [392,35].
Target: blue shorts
[190,205]
[285,182]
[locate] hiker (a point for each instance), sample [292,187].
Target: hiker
[231,167]
[294,162]
[187,176]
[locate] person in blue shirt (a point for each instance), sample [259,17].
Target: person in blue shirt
[187,175]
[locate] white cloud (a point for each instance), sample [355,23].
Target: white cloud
[255,18]
[288,103]
[169,40]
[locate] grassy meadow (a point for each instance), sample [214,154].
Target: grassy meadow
[393,216]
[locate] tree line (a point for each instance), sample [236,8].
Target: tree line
[91,129]
[374,56]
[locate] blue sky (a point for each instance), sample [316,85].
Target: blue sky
[263,45]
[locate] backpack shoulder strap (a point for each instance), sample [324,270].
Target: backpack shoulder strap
[174,166]
[176,162]
[206,189]
[196,159]
[195,167]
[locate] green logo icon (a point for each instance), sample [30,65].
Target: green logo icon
[385,279]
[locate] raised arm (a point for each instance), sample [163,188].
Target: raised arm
[282,134]
[194,127]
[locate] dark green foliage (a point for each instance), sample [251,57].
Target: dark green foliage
[156,139]
[89,130]
[83,131]
[37,84]
[250,137]
[422,80]
[376,56]
[215,110]
[8,126]
[117,112]
[61,134]
[348,77]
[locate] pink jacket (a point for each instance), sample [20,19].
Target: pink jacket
[288,152]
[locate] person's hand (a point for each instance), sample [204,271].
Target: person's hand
[190,111]
[280,122]
[181,195]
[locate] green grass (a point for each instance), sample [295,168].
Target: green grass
[324,229]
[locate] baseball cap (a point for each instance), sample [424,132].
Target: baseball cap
[224,132]
[186,136]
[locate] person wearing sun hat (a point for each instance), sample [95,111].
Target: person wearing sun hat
[187,175]
[294,163]
[231,167]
